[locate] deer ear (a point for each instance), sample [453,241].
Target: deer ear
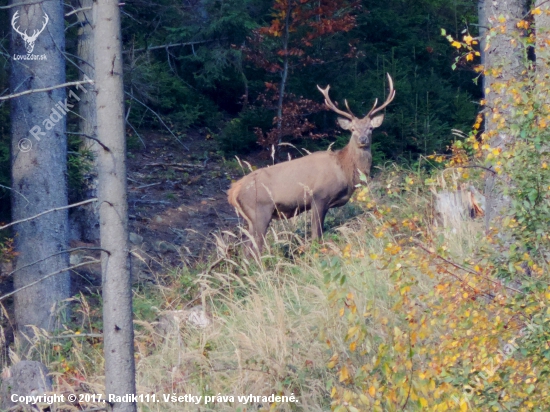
[344,123]
[377,121]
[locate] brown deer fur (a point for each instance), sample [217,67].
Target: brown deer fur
[317,182]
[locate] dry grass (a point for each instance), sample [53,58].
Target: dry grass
[274,326]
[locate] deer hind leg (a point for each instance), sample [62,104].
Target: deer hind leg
[318,212]
[257,222]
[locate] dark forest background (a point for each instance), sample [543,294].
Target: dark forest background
[221,73]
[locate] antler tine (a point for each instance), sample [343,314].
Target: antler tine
[391,95]
[331,105]
[13,20]
[349,110]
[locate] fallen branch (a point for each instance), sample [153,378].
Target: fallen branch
[49,275]
[190,165]
[48,211]
[458,266]
[46,89]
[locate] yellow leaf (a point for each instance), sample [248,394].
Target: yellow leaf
[536,11]
[344,374]
[463,405]
[353,346]
[423,402]
[469,57]
[372,391]
[456,44]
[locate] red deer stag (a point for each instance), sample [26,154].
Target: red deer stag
[319,181]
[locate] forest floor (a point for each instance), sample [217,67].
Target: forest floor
[177,198]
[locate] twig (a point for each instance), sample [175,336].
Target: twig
[49,275]
[144,186]
[474,166]
[456,265]
[46,89]
[135,131]
[80,335]
[411,376]
[160,119]
[166,46]
[191,165]
[55,254]
[48,211]
[91,138]
[26,3]
[77,11]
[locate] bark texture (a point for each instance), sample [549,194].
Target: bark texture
[117,291]
[25,378]
[39,166]
[503,59]
[85,220]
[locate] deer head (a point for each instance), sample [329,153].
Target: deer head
[361,129]
[29,40]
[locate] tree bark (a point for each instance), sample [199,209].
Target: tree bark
[86,219]
[113,211]
[39,165]
[284,76]
[504,63]
[542,27]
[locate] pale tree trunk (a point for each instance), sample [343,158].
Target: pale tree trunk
[86,218]
[113,211]
[542,47]
[39,166]
[504,63]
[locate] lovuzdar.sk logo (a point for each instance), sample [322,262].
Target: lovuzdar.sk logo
[28,39]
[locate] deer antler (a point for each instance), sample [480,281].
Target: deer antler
[36,33]
[332,106]
[13,20]
[391,95]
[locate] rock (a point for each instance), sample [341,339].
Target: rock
[26,378]
[171,321]
[135,238]
[164,247]
[158,219]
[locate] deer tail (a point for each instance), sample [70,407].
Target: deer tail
[233,198]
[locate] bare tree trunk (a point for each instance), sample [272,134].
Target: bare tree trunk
[113,210]
[39,164]
[542,26]
[86,218]
[284,76]
[503,54]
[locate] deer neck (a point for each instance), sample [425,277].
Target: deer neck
[354,158]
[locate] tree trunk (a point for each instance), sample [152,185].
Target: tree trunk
[86,218]
[542,27]
[113,209]
[284,76]
[39,165]
[504,55]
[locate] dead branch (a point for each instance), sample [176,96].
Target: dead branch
[25,3]
[160,120]
[48,211]
[77,11]
[55,254]
[49,275]
[188,165]
[46,89]
[167,46]
[458,266]
[91,138]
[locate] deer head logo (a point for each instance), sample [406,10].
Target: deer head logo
[29,40]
